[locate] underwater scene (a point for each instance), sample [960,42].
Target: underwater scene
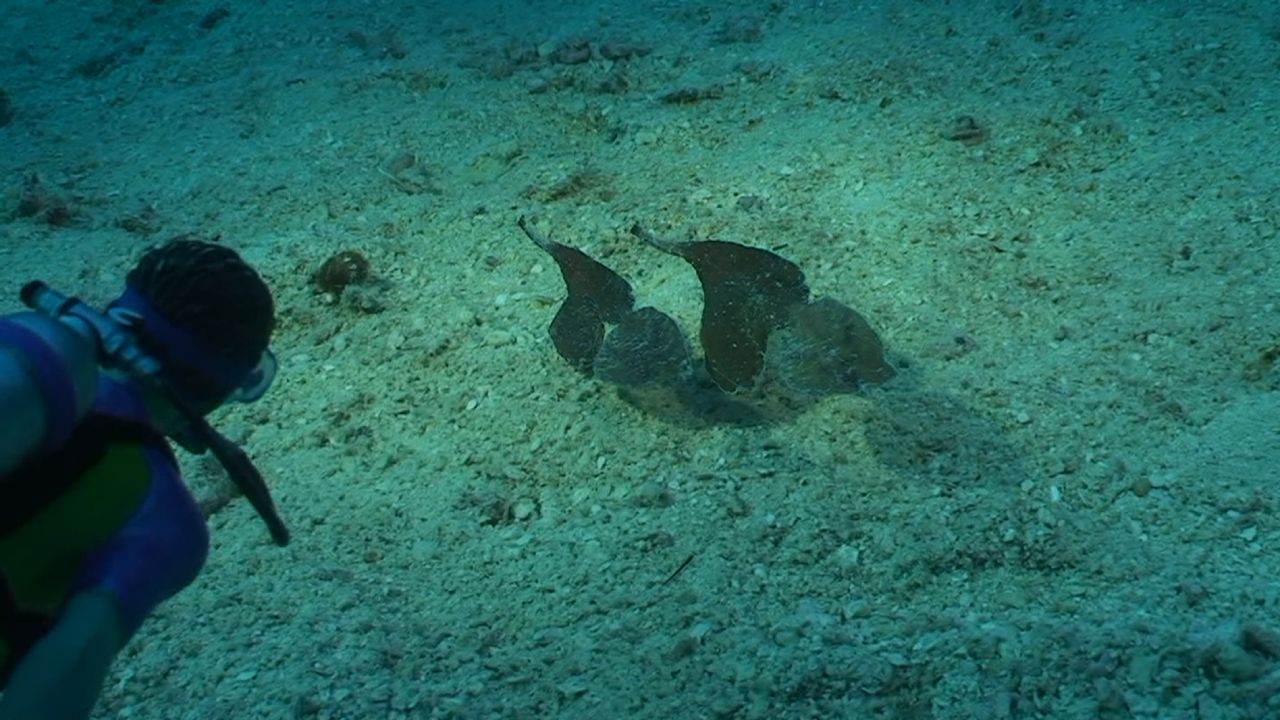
[775,359]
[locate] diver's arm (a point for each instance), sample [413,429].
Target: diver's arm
[61,676]
[156,554]
[48,373]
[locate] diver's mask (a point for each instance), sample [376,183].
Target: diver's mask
[244,383]
[258,381]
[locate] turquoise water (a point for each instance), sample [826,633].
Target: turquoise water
[1060,219]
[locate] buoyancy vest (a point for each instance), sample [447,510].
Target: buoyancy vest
[54,510]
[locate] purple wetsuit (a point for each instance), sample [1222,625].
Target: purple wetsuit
[162,547]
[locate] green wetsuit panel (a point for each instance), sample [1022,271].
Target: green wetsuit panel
[41,558]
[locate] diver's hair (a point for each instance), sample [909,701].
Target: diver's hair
[209,291]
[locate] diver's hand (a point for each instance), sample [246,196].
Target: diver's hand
[61,676]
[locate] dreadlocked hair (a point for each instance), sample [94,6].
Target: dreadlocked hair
[211,292]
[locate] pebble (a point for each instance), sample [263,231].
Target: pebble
[846,557]
[499,338]
[645,137]
[523,509]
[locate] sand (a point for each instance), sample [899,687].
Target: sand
[1060,217]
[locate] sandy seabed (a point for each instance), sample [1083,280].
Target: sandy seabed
[1061,217]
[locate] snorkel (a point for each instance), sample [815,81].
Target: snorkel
[119,349]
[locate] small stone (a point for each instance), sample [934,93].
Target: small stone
[573,688]
[524,509]
[1141,487]
[309,705]
[653,494]
[846,557]
[499,338]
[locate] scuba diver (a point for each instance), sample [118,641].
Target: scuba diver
[97,527]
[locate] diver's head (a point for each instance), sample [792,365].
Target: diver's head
[207,316]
